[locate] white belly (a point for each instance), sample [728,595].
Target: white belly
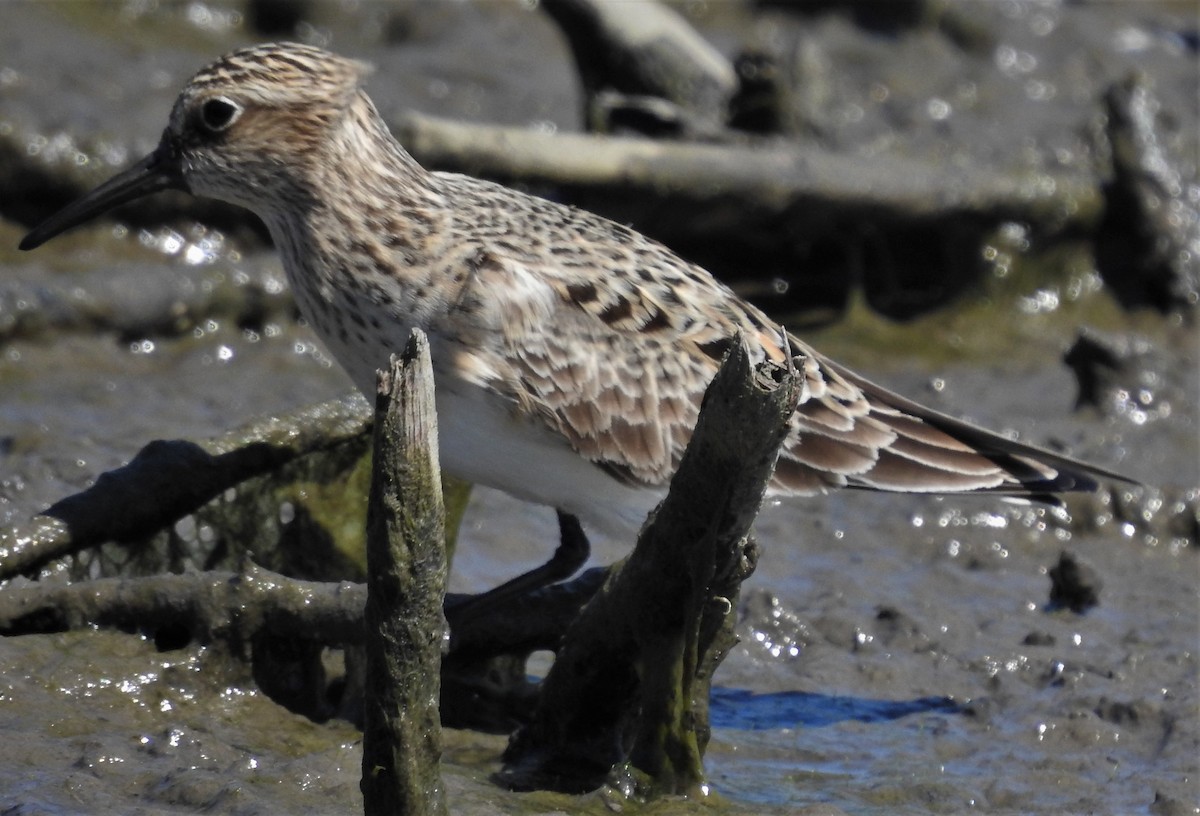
[481,441]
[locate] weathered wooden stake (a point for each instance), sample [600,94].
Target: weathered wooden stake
[406,584]
[627,694]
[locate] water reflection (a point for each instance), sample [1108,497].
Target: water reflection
[744,710]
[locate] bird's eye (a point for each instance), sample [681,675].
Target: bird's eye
[218,113]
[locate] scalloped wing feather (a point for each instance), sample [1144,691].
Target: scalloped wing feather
[610,340]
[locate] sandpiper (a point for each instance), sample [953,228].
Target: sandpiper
[570,352]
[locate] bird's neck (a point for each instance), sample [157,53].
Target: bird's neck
[371,206]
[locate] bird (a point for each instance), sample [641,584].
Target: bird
[570,352]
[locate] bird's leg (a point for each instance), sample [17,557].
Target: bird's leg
[573,550]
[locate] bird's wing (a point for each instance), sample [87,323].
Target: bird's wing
[1017,468]
[615,357]
[611,376]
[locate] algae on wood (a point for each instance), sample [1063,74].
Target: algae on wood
[406,586]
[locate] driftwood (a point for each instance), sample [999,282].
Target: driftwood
[406,587]
[233,608]
[769,178]
[237,607]
[167,480]
[643,66]
[1148,243]
[635,667]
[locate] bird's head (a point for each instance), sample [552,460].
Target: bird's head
[246,129]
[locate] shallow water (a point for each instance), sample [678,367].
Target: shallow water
[897,653]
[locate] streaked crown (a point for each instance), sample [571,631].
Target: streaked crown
[241,124]
[278,75]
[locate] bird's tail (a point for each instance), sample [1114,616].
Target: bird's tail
[854,433]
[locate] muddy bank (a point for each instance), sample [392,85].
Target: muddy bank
[899,654]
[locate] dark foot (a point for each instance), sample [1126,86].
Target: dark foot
[573,550]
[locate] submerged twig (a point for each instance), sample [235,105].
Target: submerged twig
[234,607]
